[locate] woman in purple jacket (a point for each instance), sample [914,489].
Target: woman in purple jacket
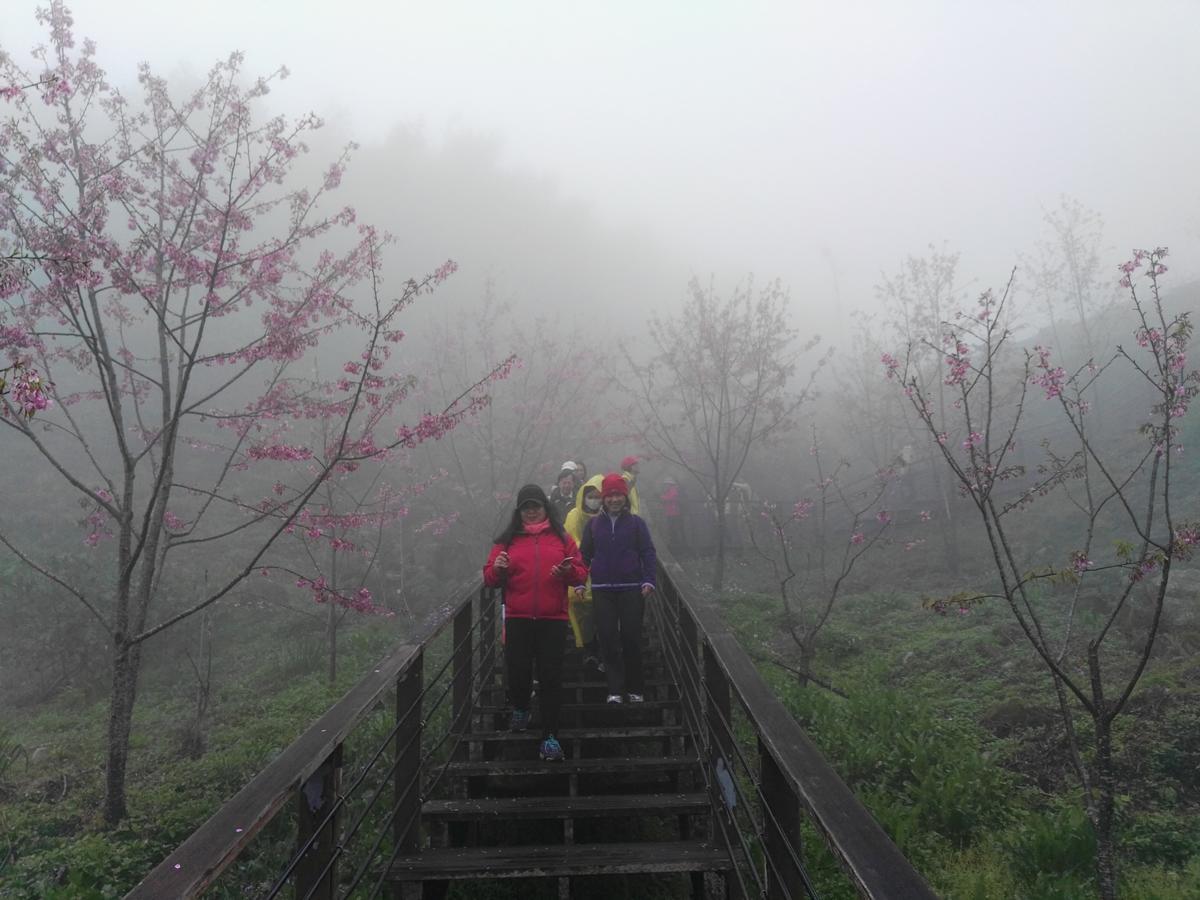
[617,548]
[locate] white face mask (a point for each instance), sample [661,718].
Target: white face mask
[592,503]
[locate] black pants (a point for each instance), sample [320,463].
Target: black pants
[543,640]
[619,626]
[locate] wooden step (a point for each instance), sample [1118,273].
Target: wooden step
[647,733]
[566,807]
[598,706]
[616,765]
[600,684]
[560,860]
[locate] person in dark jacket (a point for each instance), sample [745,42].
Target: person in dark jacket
[617,547]
[535,561]
[562,495]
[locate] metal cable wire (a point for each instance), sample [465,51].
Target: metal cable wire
[429,789]
[757,827]
[344,797]
[729,823]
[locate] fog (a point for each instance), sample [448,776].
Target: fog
[816,143]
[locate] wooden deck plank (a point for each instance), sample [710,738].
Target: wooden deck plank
[632,733]
[614,765]
[566,807]
[560,860]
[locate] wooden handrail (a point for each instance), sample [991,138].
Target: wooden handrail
[206,853]
[868,856]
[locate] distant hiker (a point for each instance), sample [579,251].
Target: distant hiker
[535,561]
[617,547]
[671,500]
[562,495]
[583,621]
[629,471]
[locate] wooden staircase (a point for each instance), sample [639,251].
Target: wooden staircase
[411,786]
[628,800]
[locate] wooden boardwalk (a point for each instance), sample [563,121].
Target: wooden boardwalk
[699,791]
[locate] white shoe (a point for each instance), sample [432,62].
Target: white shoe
[636,698]
[614,698]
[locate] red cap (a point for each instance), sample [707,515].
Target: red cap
[613,483]
[629,461]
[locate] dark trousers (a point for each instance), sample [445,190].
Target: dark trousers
[619,626]
[543,641]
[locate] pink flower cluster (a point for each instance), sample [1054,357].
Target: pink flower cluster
[957,361]
[802,508]
[322,592]
[1140,257]
[1051,378]
[444,271]
[890,364]
[280,452]
[173,522]
[29,393]
[13,336]
[1080,563]
[97,520]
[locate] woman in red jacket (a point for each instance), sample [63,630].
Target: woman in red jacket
[535,561]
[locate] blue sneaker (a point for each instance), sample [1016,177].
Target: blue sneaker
[551,750]
[519,720]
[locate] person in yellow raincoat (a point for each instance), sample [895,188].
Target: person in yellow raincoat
[579,610]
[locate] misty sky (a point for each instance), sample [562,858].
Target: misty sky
[787,138]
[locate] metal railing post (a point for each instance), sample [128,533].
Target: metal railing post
[719,724]
[316,875]
[781,827]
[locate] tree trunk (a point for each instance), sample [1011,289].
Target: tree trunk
[127,660]
[331,625]
[1106,862]
[718,579]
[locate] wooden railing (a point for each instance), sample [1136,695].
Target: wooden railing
[308,773]
[763,775]
[761,796]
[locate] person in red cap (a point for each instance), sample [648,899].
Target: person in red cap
[617,547]
[629,467]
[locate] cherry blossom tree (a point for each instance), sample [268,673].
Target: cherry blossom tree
[175,278]
[819,542]
[1129,523]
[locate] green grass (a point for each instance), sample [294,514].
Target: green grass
[53,844]
[949,734]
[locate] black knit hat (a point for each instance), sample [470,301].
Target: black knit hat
[532,492]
